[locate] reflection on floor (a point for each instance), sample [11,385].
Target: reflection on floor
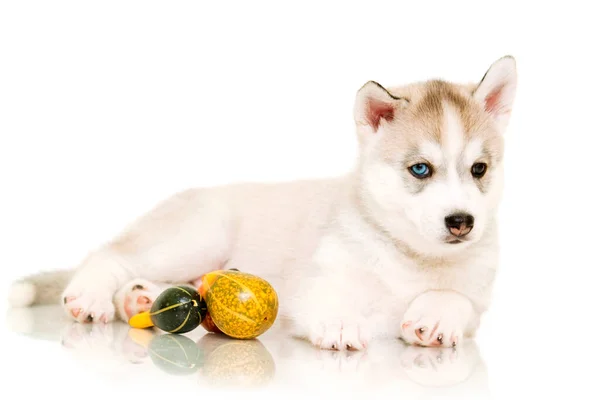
[272,360]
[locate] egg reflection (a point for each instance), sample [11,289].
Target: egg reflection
[235,363]
[174,354]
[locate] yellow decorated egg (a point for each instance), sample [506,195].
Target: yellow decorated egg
[241,305]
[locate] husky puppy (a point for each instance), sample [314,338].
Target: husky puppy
[403,246]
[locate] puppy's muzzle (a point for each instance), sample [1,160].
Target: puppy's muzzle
[459,224]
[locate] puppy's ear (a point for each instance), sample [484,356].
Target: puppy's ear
[496,90]
[374,105]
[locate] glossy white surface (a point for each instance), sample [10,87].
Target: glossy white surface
[150,362]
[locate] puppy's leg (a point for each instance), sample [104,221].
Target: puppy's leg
[438,318]
[183,238]
[326,309]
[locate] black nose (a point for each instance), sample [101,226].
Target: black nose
[459,224]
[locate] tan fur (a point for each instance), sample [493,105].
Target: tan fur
[423,120]
[426,108]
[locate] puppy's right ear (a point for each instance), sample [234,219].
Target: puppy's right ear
[374,105]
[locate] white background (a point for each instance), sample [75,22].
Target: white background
[108,107]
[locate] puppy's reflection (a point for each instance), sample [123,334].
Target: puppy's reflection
[104,340]
[386,365]
[439,367]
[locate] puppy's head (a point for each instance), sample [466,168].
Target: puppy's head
[431,157]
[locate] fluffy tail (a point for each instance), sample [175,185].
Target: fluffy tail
[38,289]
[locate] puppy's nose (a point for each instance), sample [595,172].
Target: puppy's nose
[459,224]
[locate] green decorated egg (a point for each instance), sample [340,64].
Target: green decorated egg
[179,309]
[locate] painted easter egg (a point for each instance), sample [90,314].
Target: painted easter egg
[178,309]
[241,305]
[209,324]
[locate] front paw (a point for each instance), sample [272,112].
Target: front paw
[436,319]
[432,332]
[338,334]
[88,306]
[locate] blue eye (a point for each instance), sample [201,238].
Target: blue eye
[420,170]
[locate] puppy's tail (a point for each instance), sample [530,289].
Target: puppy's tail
[39,289]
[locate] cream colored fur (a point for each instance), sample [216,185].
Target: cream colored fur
[361,256]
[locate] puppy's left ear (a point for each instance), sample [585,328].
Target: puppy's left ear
[496,90]
[374,106]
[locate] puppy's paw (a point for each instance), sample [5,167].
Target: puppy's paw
[88,306]
[432,332]
[340,334]
[436,319]
[135,297]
